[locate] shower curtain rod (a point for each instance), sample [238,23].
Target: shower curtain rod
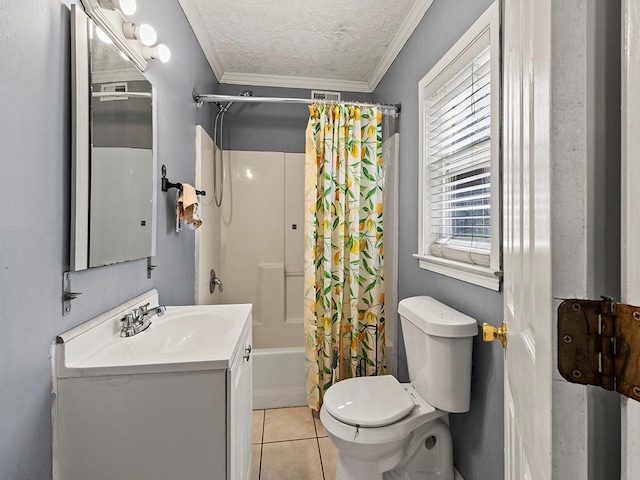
[212,97]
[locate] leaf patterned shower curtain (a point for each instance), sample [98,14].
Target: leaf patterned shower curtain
[343,262]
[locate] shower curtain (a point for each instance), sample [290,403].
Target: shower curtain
[344,318]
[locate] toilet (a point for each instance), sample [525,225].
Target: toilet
[384,429]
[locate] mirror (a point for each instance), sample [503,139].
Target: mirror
[113,164]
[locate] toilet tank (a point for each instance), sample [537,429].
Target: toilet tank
[438,342]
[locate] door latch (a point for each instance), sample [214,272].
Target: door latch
[491,333]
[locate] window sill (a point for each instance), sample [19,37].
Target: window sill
[481,276]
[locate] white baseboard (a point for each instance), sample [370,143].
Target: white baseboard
[458,476]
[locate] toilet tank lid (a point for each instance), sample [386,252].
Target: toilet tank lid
[437,319]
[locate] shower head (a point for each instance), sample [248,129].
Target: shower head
[244,93]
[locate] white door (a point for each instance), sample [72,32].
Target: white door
[630,212]
[208,235]
[527,237]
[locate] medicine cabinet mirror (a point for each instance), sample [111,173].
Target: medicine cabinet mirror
[113,213]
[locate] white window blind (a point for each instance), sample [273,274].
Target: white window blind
[457,133]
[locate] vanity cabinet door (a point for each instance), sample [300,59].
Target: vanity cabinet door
[239,411]
[247,409]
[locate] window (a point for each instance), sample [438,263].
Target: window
[459,232]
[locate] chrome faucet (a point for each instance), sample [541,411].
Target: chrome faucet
[140,319]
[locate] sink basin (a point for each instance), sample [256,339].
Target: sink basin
[186,329]
[184,338]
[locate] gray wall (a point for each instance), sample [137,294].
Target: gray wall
[35,165]
[478,434]
[269,127]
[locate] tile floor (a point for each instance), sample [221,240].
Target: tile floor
[290,444]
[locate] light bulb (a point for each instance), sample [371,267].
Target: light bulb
[128,7]
[103,36]
[164,54]
[160,52]
[147,34]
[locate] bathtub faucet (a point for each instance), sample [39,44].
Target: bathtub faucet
[140,319]
[214,281]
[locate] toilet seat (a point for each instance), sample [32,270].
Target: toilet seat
[422,413]
[368,401]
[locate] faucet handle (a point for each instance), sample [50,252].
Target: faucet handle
[143,308]
[141,311]
[128,320]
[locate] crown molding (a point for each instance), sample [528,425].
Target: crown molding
[416,12]
[200,30]
[254,79]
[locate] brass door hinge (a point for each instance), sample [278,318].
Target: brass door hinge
[599,344]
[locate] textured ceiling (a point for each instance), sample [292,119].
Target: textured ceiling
[329,39]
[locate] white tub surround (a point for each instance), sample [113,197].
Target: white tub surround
[261,242]
[270,302]
[208,235]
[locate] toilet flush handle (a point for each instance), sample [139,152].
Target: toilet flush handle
[491,333]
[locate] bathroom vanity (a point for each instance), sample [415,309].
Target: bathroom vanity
[173,401]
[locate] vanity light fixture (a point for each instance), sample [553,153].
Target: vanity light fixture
[142,45]
[160,52]
[127,7]
[145,33]
[103,36]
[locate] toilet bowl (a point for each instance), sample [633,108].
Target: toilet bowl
[387,430]
[366,452]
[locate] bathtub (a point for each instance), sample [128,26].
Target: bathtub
[279,378]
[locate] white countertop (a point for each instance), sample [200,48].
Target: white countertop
[185,338]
